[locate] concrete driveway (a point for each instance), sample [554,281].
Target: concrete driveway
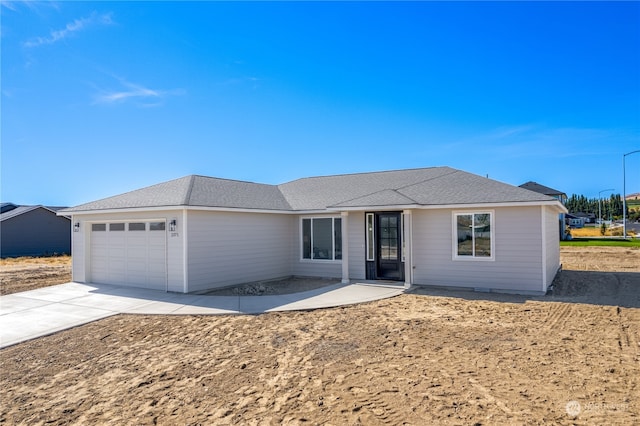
[36,313]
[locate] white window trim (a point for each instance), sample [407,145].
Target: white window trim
[333,239]
[89,223]
[370,241]
[454,236]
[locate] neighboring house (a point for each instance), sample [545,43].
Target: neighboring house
[554,193]
[536,187]
[574,221]
[33,231]
[431,226]
[586,217]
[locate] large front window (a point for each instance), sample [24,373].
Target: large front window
[322,238]
[474,235]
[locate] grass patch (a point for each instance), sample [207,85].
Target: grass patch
[63,259]
[584,242]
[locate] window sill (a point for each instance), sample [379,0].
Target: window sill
[473,259]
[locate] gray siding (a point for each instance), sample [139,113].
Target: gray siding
[175,253]
[552,242]
[518,248]
[35,233]
[231,248]
[79,261]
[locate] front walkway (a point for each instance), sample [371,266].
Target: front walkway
[36,313]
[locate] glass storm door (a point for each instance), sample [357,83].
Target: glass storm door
[389,246]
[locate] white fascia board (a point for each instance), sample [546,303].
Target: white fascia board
[394,207]
[181,208]
[556,204]
[264,211]
[244,210]
[124,210]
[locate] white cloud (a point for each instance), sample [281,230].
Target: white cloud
[131,91]
[32,5]
[9,5]
[71,28]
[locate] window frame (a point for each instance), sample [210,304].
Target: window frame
[157,225]
[136,226]
[454,239]
[333,239]
[99,227]
[370,236]
[119,226]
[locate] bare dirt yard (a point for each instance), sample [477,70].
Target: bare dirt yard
[28,273]
[429,357]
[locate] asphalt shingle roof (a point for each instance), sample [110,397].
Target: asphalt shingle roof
[535,186]
[195,191]
[427,186]
[20,210]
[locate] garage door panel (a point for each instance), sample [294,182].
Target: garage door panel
[100,273]
[117,278]
[129,253]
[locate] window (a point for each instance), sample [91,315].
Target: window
[98,227]
[116,227]
[371,242]
[137,226]
[388,237]
[156,226]
[322,238]
[474,235]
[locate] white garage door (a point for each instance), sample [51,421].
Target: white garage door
[129,253]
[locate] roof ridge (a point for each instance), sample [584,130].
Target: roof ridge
[367,173]
[233,180]
[187,197]
[453,171]
[373,193]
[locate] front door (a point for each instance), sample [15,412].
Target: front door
[389,246]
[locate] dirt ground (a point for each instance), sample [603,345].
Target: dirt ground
[28,273]
[430,357]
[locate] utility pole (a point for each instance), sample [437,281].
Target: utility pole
[624,194]
[599,207]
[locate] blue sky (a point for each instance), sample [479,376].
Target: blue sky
[99,98]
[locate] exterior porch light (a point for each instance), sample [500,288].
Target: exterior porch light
[173,225]
[76,227]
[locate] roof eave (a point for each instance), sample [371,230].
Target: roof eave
[331,209]
[553,203]
[69,212]
[175,207]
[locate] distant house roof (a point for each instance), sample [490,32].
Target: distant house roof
[20,210]
[585,215]
[423,187]
[5,207]
[536,187]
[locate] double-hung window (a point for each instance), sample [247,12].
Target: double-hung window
[473,235]
[322,238]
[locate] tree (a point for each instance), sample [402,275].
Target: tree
[611,207]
